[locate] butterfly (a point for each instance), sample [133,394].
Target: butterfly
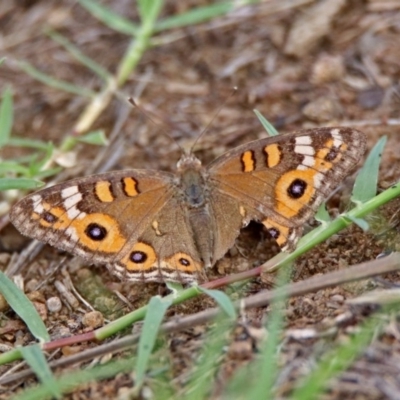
[148,225]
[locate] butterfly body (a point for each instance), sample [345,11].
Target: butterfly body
[155,226]
[195,202]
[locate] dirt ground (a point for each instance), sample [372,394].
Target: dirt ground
[317,63]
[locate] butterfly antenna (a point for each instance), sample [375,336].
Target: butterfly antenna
[150,118]
[213,118]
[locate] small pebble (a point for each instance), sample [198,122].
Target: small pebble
[93,319]
[328,68]
[31,285]
[371,97]
[41,309]
[322,109]
[71,350]
[54,304]
[338,298]
[3,304]
[66,294]
[241,350]
[5,258]
[36,296]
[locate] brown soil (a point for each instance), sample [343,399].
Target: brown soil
[324,63]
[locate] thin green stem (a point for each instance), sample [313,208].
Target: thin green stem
[121,323]
[139,44]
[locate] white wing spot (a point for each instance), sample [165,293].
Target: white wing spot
[318,178]
[292,236]
[70,206]
[37,203]
[303,140]
[337,137]
[335,132]
[308,161]
[117,267]
[73,200]
[69,191]
[74,213]
[71,232]
[307,150]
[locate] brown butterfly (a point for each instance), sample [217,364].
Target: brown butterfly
[155,226]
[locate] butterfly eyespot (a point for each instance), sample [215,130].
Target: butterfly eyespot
[49,217]
[138,257]
[96,232]
[332,155]
[184,261]
[142,257]
[297,188]
[274,233]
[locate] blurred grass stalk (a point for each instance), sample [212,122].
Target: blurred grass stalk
[149,11]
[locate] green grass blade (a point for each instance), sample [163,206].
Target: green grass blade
[23,307]
[48,172]
[155,314]
[53,82]
[149,10]
[322,214]
[266,124]
[361,223]
[78,55]
[174,287]
[28,159]
[39,164]
[19,183]
[223,301]
[267,366]
[97,138]
[123,25]
[71,380]
[195,16]
[203,375]
[12,166]
[256,381]
[34,356]
[140,43]
[29,143]
[109,18]
[366,183]
[6,117]
[338,360]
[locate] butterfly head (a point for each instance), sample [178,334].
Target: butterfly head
[188,162]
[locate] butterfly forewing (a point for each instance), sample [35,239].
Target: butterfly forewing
[282,180]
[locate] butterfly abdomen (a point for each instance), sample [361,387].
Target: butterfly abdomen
[195,201]
[201,223]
